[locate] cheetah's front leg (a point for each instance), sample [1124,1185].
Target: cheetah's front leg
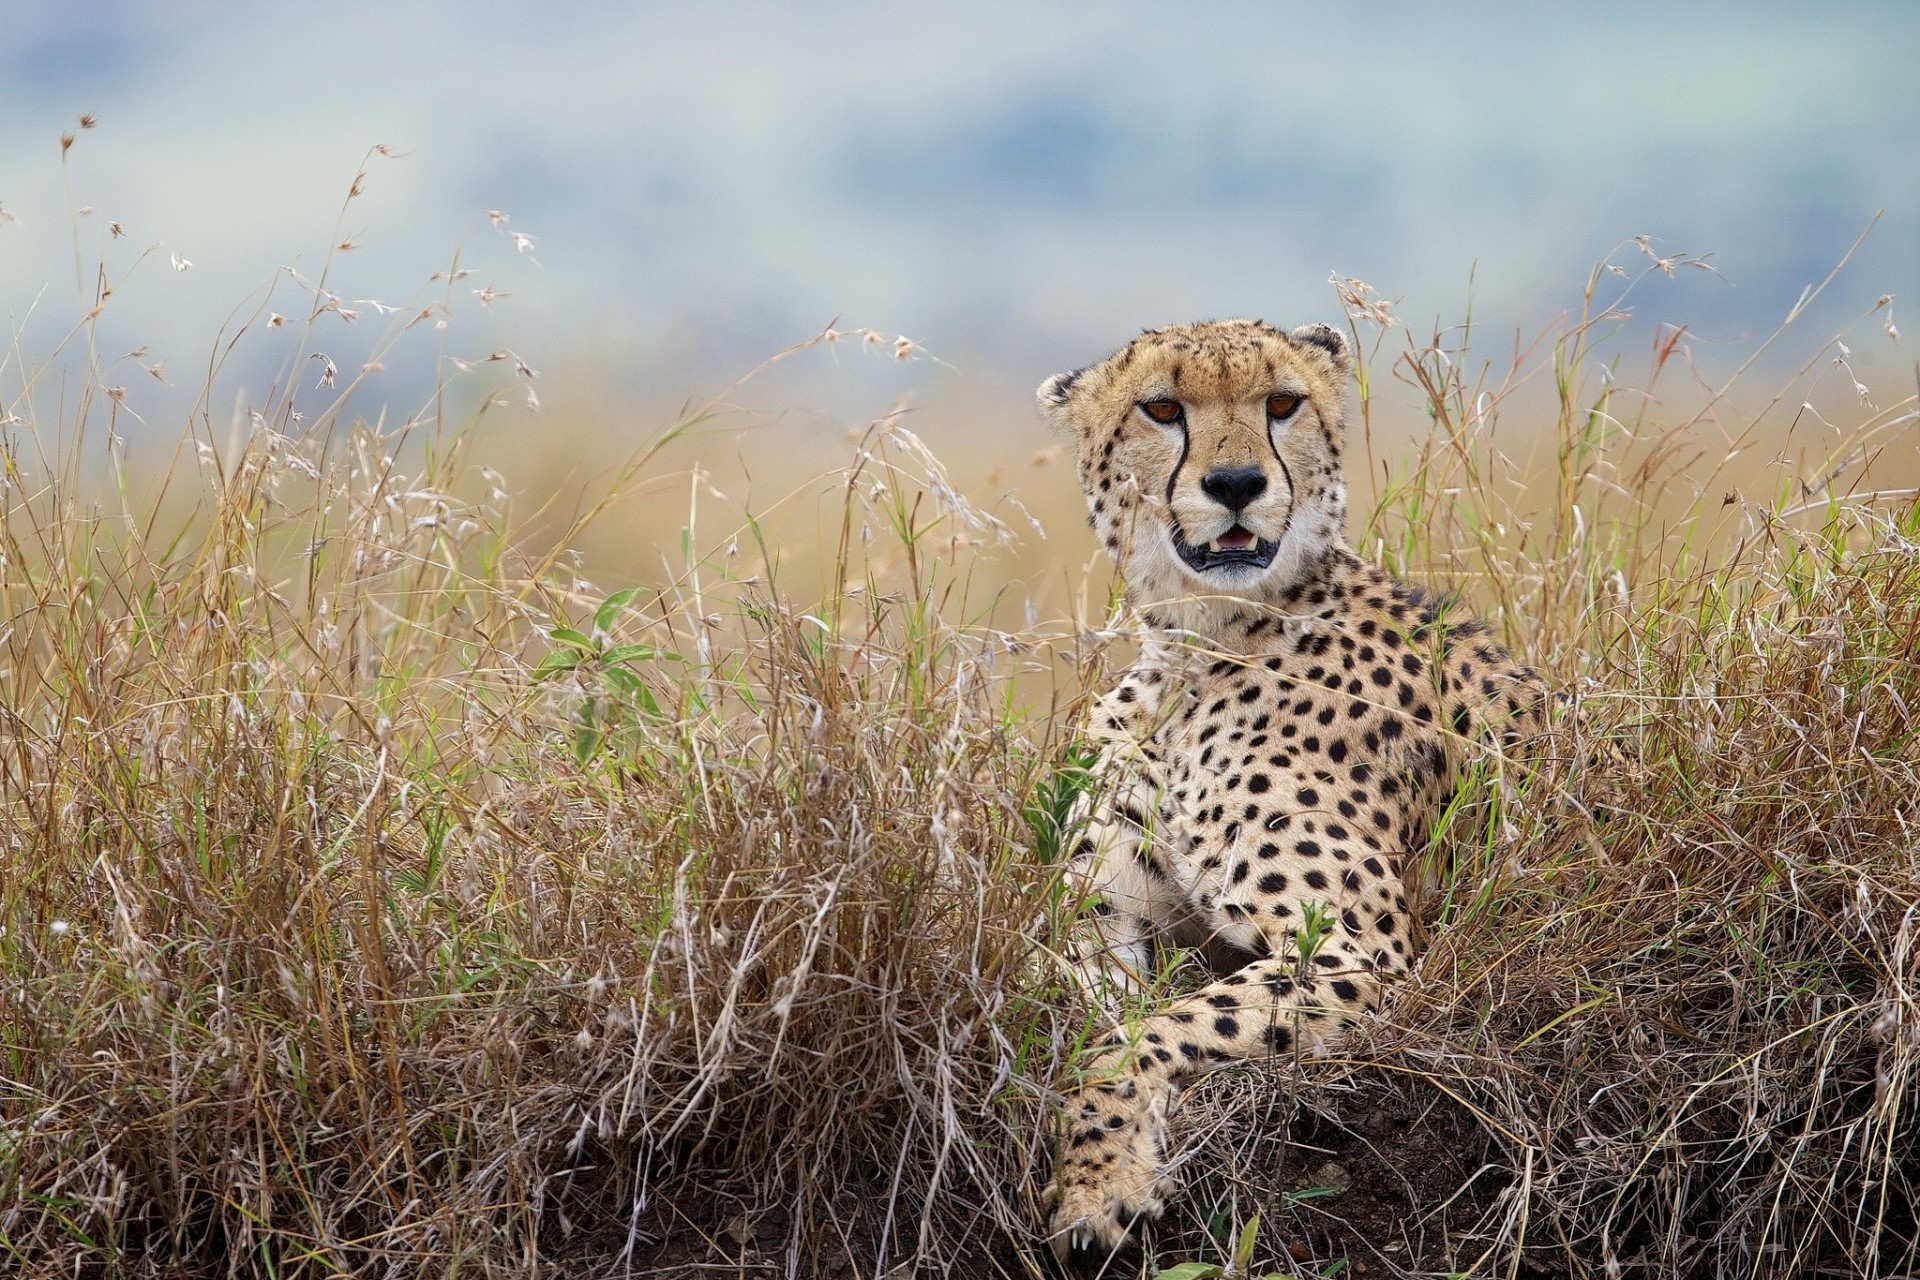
[1112,1165]
[1121,869]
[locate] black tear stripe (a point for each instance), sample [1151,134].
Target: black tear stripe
[1293,491]
[1293,494]
[1185,440]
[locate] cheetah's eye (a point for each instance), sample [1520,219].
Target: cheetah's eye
[1280,406]
[1165,412]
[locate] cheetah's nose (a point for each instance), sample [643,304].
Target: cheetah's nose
[1234,487]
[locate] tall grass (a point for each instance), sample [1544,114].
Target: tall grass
[371,897]
[377,897]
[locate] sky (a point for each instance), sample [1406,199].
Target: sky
[1016,187]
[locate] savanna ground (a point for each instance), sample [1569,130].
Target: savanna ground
[377,897]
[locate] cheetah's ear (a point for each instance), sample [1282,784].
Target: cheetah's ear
[1329,340]
[1055,392]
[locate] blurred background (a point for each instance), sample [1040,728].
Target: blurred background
[1015,188]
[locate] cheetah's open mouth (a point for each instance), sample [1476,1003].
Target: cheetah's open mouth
[1236,548]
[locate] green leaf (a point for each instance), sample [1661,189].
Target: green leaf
[556,662]
[623,680]
[567,635]
[612,605]
[1191,1271]
[636,652]
[1243,1250]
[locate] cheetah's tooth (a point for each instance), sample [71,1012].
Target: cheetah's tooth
[1214,545]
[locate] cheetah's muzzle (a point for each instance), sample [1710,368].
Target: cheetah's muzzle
[1236,548]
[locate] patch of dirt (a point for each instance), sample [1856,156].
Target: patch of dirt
[1395,1191]
[701,1238]
[1378,1180]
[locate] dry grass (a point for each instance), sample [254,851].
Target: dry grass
[358,909]
[378,898]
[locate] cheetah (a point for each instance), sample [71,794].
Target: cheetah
[1281,747]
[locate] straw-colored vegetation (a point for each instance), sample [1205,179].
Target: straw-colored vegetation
[376,898]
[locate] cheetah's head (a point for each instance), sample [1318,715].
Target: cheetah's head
[1210,455]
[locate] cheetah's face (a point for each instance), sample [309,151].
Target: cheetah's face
[1210,454]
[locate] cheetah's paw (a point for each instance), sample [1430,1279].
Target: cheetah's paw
[1094,1215]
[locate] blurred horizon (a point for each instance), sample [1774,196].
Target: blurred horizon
[1016,189]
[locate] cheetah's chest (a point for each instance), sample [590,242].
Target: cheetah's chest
[1296,776]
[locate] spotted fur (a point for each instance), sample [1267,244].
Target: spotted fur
[1286,738]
